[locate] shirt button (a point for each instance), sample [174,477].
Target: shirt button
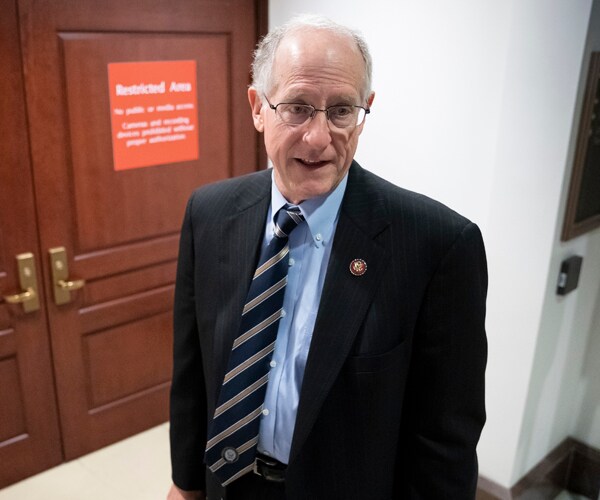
[291,262]
[273,364]
[265,412]
[283,313]
[318,237]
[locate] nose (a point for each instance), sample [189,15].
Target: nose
[317,133]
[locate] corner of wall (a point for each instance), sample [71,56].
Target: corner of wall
[562,401]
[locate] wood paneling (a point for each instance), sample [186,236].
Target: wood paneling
[138,204]
[107,375]
[128,359]
[111,344]
[29,431]
[12,412]
[126,284]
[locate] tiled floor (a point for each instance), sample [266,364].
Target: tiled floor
[137,468]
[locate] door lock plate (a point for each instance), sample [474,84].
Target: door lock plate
[29,298]
[60,276]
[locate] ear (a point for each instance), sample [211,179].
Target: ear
[371,99]
[256,107]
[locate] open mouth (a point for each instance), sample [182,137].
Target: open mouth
[311,163]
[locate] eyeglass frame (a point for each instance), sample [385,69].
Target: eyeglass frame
[314,112]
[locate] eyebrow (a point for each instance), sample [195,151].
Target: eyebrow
[337,100]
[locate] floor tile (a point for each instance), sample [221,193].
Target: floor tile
[137,468]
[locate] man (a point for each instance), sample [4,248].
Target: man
[375,386]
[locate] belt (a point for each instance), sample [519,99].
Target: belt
[269,469]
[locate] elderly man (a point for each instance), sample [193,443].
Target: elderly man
[329,326]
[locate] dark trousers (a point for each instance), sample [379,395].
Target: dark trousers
[253,487]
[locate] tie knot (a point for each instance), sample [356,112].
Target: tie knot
[286,219]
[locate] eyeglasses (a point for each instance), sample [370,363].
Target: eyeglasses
[341,115]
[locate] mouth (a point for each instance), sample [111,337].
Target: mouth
[312,163]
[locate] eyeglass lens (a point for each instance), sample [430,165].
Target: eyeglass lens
[340,116]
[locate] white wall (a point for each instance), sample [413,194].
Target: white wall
[474,106]
[540,86]
[586,317]
[564,393]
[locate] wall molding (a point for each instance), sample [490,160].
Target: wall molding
[572,466]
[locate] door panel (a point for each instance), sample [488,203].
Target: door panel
[29,431]
[142,343]
[111,343]
[11,414]
[125,205]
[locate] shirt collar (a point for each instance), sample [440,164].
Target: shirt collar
[321,212]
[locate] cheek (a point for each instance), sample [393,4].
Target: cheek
[345,147]
[351,144]
[277,141]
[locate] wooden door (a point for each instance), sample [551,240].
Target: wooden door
[111,343]
[29,432]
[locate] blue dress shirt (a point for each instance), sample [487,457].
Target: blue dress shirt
[310,247]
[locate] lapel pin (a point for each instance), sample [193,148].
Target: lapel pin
[358,267]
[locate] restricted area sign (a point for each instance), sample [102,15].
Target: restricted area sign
[153,113]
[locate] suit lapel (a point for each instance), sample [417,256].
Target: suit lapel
[345,298]
[240,241]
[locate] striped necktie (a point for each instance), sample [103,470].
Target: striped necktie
[233,434]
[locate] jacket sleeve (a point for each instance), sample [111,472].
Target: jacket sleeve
[188,396]
[444,410]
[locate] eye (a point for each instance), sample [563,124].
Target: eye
[341,111]
[298,109]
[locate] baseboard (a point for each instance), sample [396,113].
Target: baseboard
[572,466]
[490,490]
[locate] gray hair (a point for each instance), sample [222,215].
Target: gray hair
[264,55]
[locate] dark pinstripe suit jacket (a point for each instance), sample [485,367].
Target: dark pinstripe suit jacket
[392,403]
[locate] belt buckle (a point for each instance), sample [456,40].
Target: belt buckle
[268,470]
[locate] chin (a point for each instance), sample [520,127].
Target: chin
[307,192]
[306,184]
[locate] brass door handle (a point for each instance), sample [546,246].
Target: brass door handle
[63,286]
[19,298]
[71,285]
[28,281]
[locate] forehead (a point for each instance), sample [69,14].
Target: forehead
[318,63]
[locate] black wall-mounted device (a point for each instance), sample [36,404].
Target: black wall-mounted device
[568,277]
